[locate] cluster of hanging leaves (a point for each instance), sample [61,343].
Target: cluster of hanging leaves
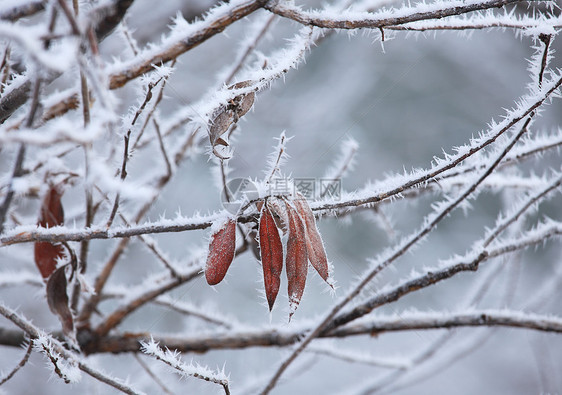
[47,255]
[228,115]
[295,220]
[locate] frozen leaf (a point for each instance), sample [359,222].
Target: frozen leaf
[279,213]
[242,103]
[221,252]
[220,125]
[314,246]
[296,263]
[46,257]
[51,214]
[58,300]
[228,115]
[271,251]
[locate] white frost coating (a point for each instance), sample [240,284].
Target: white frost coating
[530,26]
[58,58]
[172,358]
[103,177]
[345,161]
[60,130]
[181,30]
[278,64]
[67,368]
[395,181]
[277,158]
[334,14]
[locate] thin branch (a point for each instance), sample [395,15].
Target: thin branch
[106,17]
[249,49]
[361,358]
[514,217]
[173,359]
[35,333]
[153,291]
[152,375]
[268,337]
[169,170]
[20,365]
[22,11]
[18,166]
[468,262]
[215,23]
[123,175]
[359,20]
[152,110]
[440,320]
[504,126]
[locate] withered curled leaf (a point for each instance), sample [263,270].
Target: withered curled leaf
[242,103]
[51,214]
[271,251]
[314,245]
[220,125]
[296,262]
[221,252]
[227,115]
[57,299]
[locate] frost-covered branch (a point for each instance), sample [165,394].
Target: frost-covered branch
[441,320]
[183,38]
[382,19]
[468,262]
[54,350]
[172,359]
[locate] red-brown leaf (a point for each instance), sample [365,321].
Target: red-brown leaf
[57,299]
[314,245]
[46,256]
[296,263]
[221,252]
[271,251]
[51,214]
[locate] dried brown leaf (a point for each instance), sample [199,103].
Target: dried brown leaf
[243,103]
[228,115]
[296,263]
[219,126]
[51,214]
[57,299]
[221,252]
[46,257]
[271,251]
[314,245]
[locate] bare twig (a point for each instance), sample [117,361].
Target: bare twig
[152,375]
[123,175]
[20,365]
